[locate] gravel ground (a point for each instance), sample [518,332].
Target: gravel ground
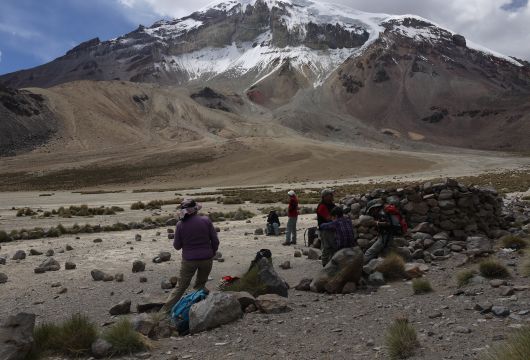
[319,326]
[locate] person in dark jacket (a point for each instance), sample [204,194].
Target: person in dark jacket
[327,236]
[195,235]
[386,231]
[273,223]
[292,214]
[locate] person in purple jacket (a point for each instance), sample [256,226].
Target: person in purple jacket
[195,235]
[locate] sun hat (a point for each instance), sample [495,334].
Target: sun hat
[291,193]
[189,207]
[326,192]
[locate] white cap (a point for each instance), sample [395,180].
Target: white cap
[291,193]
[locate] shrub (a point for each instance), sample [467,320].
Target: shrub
[517,347]
[240,214]
[464,277]
[123,338]
[492,269]
[401,340]
[25,212]
[392,267]
[4,237]
[138,206]
[513,242]
[73,337]
[249,282]
[421,286]
[53,232]
[232,201]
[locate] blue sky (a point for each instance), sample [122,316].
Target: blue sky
[33,32]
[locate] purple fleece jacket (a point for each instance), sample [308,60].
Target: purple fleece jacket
[197,238]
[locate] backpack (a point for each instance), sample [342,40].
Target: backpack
[397,220]
[180,314]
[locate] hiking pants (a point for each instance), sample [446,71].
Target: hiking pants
[273,229]
[187,270]
[383,242]
[290,232]
[327,246]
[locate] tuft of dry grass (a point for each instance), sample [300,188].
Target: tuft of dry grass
[392,267]
[517,347]
[492,269]
[421,286]
[464,277]
[124,339]
[513,242]
[401,340]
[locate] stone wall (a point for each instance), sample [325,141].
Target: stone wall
[443,216]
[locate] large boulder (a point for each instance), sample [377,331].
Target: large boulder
[345,266]
[272,304]
[16,336]
[270,280]
[122,308]
[19,255]
[217,309]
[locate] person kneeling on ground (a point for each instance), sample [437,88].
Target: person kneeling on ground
[327,237]
[344,233]
[273,223]
[195,235]
[387,228]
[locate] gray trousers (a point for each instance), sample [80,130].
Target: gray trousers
[328,245]
[187,270]
[383,242]
[273,229]
[290,232]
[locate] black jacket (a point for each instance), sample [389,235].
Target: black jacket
[273,219]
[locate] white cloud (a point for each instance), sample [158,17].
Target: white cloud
[483,21]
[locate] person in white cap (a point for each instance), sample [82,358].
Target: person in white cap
[292,214]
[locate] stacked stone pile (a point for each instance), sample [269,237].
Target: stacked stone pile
[443,217]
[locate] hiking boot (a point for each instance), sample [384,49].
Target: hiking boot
[286,244]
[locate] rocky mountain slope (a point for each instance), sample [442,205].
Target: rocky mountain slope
[326,71]
[25,121]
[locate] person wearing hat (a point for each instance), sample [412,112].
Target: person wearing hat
[375,209]
[327,236]
[273,223]
[195,235]
[292,214]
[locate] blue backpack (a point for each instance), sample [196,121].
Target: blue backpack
[180,314]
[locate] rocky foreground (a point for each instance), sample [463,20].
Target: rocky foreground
[340,312]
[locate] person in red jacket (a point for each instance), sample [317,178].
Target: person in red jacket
[292,214]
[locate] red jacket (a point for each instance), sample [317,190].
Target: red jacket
[292,211]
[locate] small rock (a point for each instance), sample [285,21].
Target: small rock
[507,291]
[97,275]
[69,248]
[19,255]
[138,237]
[34,252]
[101,348]
[349,288]
[285,265]
[49,264]
[496,283]
[138,266]
[258,232]
[376,279]
[297,254]
[463,330]
[272,304]
[500,311]
[313,254]
[97,241]
[50,252]
[3,261]
[56,285]
[119,277]
[162,257]
[166,285]
[3,278]
[63,291]
[250,309]
[69,265]
[304,285]
[435,315]
[121,308]
[143,279]
[483,307]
